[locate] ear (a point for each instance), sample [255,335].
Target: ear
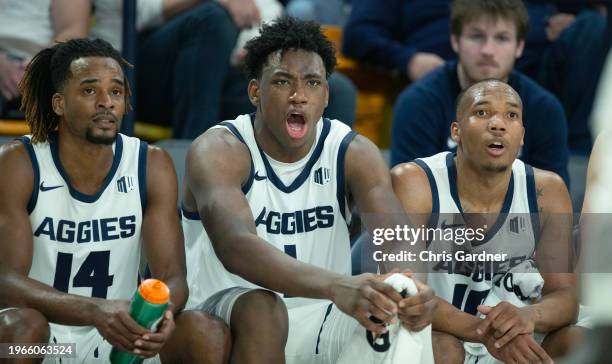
[57,102]
[254,92]
[455,42]
[455,132]
[523,137]
[519,49]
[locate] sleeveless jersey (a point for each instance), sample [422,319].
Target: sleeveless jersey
[88,245]
[463,282]
[306,218]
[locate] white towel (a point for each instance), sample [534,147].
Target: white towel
[397,346]
[519,286]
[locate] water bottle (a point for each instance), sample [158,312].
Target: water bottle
[147,308]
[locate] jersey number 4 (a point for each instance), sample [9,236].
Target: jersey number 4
[92,273]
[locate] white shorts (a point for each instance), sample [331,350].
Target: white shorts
[90,345]
[318,330]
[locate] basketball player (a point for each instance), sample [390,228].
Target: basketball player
[274,192]
[484,185]
[77,199]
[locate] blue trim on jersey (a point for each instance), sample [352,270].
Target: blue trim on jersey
[249,182]
[340,193]
[503,214]
[532,198]
[109,177]
[329,308]
[435,198]
[190,215]
[303,176]
[27,143]
[142,173]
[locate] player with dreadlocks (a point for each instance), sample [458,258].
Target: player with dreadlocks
[77,200]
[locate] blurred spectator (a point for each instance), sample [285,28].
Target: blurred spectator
[329,12]
[26,27]
[488,36]
[190,55]
[571,68]
[410,37]
[182,57]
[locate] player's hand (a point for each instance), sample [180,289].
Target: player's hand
[422,63]
[364,296]
[523,349]
[507,321]
[11,72]
[244,12]
[152,342]
[416,312]
[557,24]
[113,321]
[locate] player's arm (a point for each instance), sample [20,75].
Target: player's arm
[555,260]
[411,186]
[16,247]
[369,184]
[161,229]
[215,182]
[555,255]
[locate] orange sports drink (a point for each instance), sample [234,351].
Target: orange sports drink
[147,308]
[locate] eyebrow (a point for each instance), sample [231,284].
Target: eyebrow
[282,74]
[480,103]
[288,75]
[89,81]
[513,104]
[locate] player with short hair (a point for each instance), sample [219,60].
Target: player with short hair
[519,208]
[488,36]
[77,200]
[276,215]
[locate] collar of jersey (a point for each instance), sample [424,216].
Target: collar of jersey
[303,176]
[109,177]
[503,214]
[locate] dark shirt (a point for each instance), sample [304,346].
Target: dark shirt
[424,112]
[386,33]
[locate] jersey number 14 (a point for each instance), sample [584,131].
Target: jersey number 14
[92,273]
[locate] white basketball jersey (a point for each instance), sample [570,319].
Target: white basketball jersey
[300,208]
[466,284]
[88,245]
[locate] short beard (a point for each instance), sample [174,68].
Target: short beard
[101,139]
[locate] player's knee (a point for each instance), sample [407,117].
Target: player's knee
[203,336]
[24,325]
[260,308]
[562,341]
[447,348]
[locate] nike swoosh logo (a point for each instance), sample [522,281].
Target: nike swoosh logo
[444,225]
[48,188]
[258,177]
